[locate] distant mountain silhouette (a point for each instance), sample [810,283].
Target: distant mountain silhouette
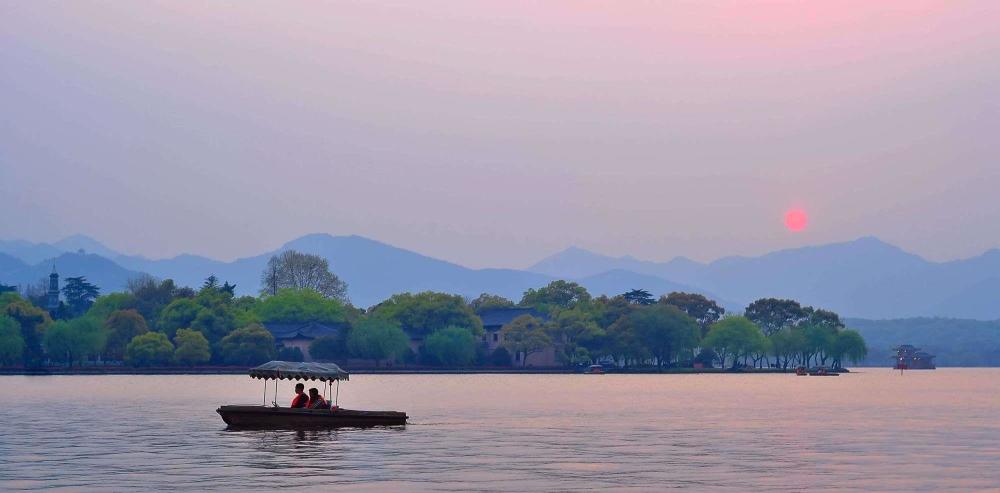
[618,281]
[575,262]
[28,252]
[9,263]
[864,278]
[79,242]
[33,253]
[373,270]
[185,270]
[103,272]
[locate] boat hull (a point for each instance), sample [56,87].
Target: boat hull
[287,418]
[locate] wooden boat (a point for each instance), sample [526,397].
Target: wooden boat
[276,417]
[822,372]
[284,417]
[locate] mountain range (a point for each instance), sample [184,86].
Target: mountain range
[865,278]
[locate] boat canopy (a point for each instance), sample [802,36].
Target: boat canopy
[289,370]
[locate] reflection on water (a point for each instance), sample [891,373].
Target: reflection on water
[873,430]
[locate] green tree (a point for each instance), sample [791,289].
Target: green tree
[557,294]
[33,322]
[785,345]
[378,339]
[705,356]
[623,344]
[247,303]
[212,312]
[104,305]
[247,346]
[574,330]
[327,348]
[524,336]
[75,340]
[11,342]
[488,301]
[8,297]
[705,311]
[295,270]
[639,297]
[451,346]
[123,326]
[607,311]
[299,306]
[192,348]
[80,294]
[290,353]
[849,345]
[152,296]
[149,349]
[423,313]
[733,337]
[824,318]
[179,314]
[211,282]
[665,331]
[214,322]
[772,314]
[818,341]
[758,350]
[500,357]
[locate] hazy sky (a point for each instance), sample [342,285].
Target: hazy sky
[494,133]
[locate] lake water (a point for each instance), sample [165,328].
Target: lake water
[870,430]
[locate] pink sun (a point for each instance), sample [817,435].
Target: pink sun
[796,220]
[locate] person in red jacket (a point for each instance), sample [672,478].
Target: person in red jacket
[317,401]
[300,399]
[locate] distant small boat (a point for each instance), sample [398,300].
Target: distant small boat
[276,417]
[820,371]
[595,370]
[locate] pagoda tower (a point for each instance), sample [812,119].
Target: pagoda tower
[53,298]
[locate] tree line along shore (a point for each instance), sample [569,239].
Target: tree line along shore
[156,324]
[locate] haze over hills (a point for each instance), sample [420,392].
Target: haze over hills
[864,278]
[28,252]
[954,342]
[103,272]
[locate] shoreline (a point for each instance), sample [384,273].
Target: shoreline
[382,371]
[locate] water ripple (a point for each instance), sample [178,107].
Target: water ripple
[932,431]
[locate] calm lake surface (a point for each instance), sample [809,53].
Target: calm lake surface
[870,430]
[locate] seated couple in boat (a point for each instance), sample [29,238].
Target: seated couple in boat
[311,401]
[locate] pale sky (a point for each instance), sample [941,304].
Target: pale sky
[493,133]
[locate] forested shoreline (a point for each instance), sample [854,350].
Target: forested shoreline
[155,323]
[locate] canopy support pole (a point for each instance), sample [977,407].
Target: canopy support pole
[274,402]
[337,398]
[265,392]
